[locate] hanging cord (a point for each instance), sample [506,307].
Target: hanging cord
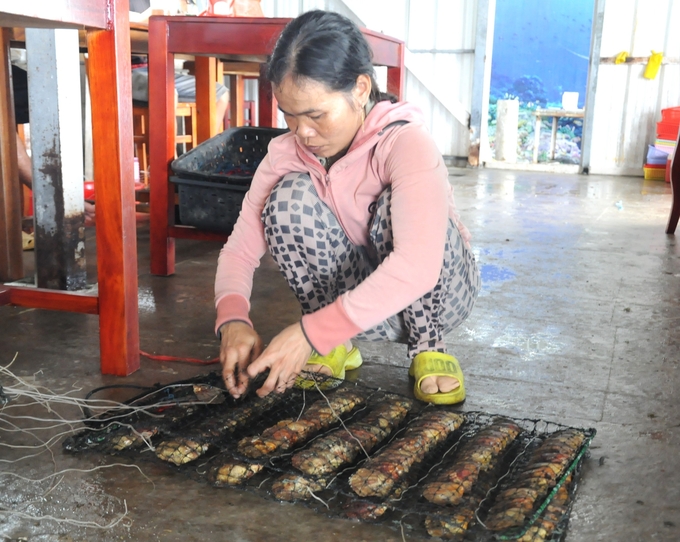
[182,360]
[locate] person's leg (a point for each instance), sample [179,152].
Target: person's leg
[312,251]
[24,163]
[424,323]
[319,268]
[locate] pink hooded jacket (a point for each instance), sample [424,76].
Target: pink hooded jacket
[403,156]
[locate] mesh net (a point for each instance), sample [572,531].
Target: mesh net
[352,451]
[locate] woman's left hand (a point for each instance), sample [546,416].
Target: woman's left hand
[285,357]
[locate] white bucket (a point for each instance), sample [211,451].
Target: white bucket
[570,101]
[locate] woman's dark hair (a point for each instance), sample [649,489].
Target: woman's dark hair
[326,47]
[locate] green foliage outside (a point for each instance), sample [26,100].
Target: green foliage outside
[529,91]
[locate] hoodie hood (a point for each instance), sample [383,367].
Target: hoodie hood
[382,115]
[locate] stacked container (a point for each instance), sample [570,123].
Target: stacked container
[660,154]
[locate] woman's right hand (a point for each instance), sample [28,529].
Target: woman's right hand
[241,345]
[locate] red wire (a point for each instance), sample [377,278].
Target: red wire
[183,360]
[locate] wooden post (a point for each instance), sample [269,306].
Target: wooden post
[236,99]
[396,75]
[537,137]
[266,101]
[161,147]
[219,78]
[11,264]
[553,138]
[110,89]
[206,96]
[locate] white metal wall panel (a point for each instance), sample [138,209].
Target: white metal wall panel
[293,8]
[280,8]
[439,79]
[387,16]
[627,106]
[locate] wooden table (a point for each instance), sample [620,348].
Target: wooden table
[108,43]
[555,114]
[244,39]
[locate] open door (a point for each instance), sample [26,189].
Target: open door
[539,82]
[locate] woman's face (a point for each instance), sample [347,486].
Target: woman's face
[323,120]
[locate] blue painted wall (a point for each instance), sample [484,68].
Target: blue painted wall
[541,49]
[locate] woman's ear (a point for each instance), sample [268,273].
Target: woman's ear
[362,89]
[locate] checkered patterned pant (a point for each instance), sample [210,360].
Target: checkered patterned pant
[320,263]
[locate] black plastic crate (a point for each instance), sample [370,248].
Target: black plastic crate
[232,156]
[213,177]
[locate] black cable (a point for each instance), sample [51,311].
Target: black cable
[86,410]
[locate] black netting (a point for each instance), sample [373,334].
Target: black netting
[358,452]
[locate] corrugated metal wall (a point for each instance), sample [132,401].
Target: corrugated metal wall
[440,41]
[626,105]
[440,38]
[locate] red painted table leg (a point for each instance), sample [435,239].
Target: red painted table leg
[161,147]
[11,253]
[109,76]
[206,96]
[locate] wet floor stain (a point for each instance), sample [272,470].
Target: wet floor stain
[494,273]
[530,345]
[146,300]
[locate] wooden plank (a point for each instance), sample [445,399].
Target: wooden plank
[11,259]
[251,69]
[553,138]
[56,14]
[638,60]
[237,94]
[267,102]
[577,114]
[54,300]
[206,96]
[387,51]
[161,147]
[247,36]
[537,138]
[396,75]
[110,88]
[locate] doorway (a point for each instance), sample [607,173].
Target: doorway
[540,62]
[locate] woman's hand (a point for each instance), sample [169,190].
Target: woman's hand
[241,345]
[285,357]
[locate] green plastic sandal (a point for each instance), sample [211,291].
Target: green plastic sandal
[437,364]
[338,361]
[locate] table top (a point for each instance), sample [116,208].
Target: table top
[55,14]
[248,38]
[139,38]
[574,113]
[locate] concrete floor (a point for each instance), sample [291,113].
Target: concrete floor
[576,323]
